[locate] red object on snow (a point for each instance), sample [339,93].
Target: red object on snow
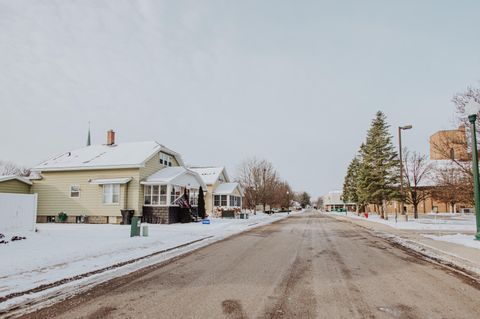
[366,215]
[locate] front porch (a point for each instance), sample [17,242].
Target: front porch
[170,195]
[227,200]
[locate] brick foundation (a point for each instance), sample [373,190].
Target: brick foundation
[97,219]
[160,215]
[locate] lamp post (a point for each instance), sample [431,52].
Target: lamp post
[402,195]
[264,188]
[471,109]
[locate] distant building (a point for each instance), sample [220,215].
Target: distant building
[449,144]
[333,201]
[445,146]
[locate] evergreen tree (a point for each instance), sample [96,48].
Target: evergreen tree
[350,189]
[201,204]
[378,174]
[304,199]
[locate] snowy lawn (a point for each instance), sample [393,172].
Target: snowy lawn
[59,251]
[461,239]
[445,222]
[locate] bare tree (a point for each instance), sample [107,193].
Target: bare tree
[455,182]
[283,195]
[262,185]
[9,168]
[249,178]
[453,185]
[320,203]
[417,171]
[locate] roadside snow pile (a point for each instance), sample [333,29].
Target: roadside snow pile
[446,222]
[59,251]
[461,239]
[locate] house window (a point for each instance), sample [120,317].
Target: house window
[155,195]
[165,159]
[216,200]
[81,219]
[111,193]
[74,191]
[235,201]
[224,200]
[50,219]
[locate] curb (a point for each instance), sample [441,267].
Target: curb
[455,263]
[39,303]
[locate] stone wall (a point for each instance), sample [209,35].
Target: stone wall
[159,215]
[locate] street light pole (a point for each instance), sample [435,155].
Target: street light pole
[402,195]
[264,197]
[472,108]
[476,181]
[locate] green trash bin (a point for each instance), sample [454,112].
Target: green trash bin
[135,227]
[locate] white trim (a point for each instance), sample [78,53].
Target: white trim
[74,185]
[15,177]
[106,181]
[83,168]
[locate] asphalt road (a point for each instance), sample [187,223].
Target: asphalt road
[308,266]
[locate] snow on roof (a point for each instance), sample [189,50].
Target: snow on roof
[106,156]
[175,175]
[18,178]
[227,188]
[210,175]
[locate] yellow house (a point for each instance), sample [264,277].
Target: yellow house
[96,183]
[222,194]
[15,184]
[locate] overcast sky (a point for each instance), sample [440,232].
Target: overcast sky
[294,82]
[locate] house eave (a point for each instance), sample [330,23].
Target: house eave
[84,168]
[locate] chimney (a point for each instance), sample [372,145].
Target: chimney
[110,137]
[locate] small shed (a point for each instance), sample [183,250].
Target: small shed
[15,184]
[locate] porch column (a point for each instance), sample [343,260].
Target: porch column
[169,190]
[228,200]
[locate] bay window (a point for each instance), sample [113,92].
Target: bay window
[155,195]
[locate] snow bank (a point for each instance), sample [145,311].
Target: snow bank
[59,251]
[461,239]
[445,222]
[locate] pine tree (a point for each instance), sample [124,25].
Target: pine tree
[350,189]
[201,204]
[378,173]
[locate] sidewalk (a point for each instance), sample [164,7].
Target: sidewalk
[458,256]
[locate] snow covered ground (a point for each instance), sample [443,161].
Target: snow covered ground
[429,222]
[59,251]
[460,239]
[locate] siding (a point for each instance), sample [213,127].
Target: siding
[14,186]
[209,200]
[151,166]
[54,193]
